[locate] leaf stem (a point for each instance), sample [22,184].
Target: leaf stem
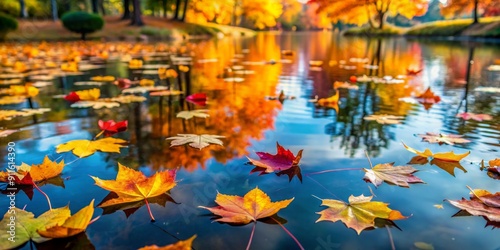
[288,232]
[100,133]
[46,196]
[251,236]
[393,247]
[149,210]
[333,170]
[368,157]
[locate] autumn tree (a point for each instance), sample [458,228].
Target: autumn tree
[261,13]
[201,11]
[373,12]
[456,7]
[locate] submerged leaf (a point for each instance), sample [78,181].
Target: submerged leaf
[180,245]
[443,138]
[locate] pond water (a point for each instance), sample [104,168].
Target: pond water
[251,123]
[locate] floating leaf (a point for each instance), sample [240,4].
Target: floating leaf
[384,119]
[180,245]
[242,210]
[95,104]
[477,117]
[26,226]
[6,100]
[197,99]
[201,113]
[443,138]
[128,99]
[282,160]
[400,175]
[144,89]
[195,141]
[360,213]
[481,203]
[84,148]
[111,127]
[44,171]
[7,132]
[445,156]
[131,185]
[102,78]
[72,226]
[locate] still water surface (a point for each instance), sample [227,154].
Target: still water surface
[251,124]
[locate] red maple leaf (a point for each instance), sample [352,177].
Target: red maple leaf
[282,160]
[111,127]
[72,97]
[197,99]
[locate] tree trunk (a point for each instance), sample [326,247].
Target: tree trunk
[101,6]
[381,20]
[94,6]
[126,10]
[476,18]
[83,36]
[137,18]
[22,6]
[186,3]
[164,6]
[177,7]
[53,6]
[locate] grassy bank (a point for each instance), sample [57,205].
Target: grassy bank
[487,27]
[116,29]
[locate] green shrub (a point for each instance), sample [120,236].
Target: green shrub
[82,22]
[7,24]
[156,32]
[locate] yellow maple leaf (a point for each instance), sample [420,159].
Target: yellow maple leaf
[84,148]
[26,90]
[72,225]
[89,94]
[46,170]
[360,213]
[253,206]
[180,245]
[445,156]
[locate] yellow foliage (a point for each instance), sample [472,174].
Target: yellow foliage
[263,13]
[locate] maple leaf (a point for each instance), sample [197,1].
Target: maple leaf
[123,83]
[44,171]
[384,119]
[493,168]
[72,97]
[95,104]
[166,93]
[197,99]
[242,210]
[332,100]
[72,226]
[428,97]
[180,245]
[131,185]
[201,113]
[6,100]
[360,213]
[131,207]
[84,148]
[400,175]
[481,203]
[126,99]
[344,85]
[445,156]
[102,78]
[84,95]
[282,160]
[111,127]
[443,138]
[195,141]
[26,226]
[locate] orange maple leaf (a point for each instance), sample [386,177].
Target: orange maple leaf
[44,171]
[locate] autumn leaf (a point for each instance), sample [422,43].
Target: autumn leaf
[123,83]
[130,208]
[84,148]
[27,90]
[384,119]
[428,97]
[493,170]
[95,104]
[197,99]
[242,210]
[400,175]
[481,203]
[7,132]
[443,138]
[83,95]
[477,117]
[26,226]
[201,113]
[102,78]
[6,100]
[72,226]
[44,171]
[195,141]
[180,245]
[445,156]
[282,160]
[360,213]
[131,185]
[111,127]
